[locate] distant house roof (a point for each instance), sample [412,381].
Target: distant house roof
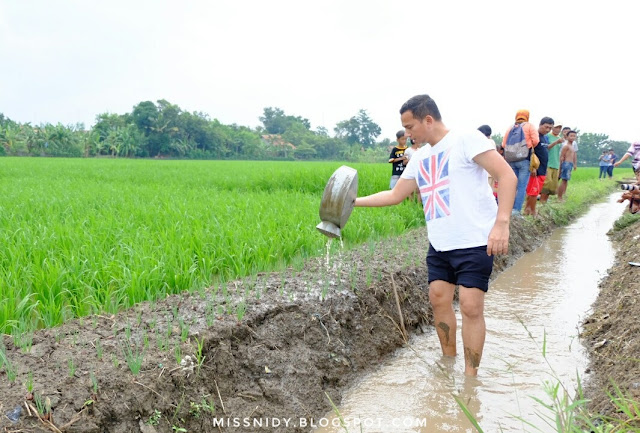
[276,140]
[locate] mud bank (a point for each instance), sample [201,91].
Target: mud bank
[202,359]
[612,332]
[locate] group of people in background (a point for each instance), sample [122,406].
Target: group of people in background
[542,159]
[606,162]
[555,149]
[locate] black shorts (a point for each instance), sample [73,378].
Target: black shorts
[468,267]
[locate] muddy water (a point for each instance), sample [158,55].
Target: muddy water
[533,311]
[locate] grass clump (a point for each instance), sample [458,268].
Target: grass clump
[9,368]
[625,221]
[133,357]
[565,411]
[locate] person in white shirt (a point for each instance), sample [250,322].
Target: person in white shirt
[565,131]
[415,146]
[465,225]
[411,150]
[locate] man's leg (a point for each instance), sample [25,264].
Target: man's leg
[530,205]
[561,189]
[521,170]
[473,327]
[444,318]
[546,186]
[538,189]
[530,208]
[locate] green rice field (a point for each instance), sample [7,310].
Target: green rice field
[83,236]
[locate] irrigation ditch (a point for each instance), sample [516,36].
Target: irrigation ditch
[270,347]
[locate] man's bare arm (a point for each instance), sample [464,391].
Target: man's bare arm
[402,190]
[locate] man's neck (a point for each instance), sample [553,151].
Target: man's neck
[440,131]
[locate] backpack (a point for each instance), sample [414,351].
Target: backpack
[516,147]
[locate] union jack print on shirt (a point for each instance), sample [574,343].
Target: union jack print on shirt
[433,181]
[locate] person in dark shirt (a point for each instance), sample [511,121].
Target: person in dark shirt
[398,158]
[536,179]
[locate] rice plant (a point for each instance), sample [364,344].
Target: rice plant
[90,236]
[133,357]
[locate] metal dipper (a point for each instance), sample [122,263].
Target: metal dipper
[337,201]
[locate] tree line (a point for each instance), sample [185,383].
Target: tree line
[164,130]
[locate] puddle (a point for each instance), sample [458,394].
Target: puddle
[532,312]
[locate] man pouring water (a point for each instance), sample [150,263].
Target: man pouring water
[466,227]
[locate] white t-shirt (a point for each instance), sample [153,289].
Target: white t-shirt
[458,203]
[575,144]
[410,152]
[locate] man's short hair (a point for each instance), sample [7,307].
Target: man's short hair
[548,120]
[421,106]
[486,130]
[400,134]
[572,132]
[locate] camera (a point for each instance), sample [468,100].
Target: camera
[630,187]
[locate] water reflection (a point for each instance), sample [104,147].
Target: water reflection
[532,313]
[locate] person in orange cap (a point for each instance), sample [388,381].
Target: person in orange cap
[517,143]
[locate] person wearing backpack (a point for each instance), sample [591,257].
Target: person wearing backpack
[517,144]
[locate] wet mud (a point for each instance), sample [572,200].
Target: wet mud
[612,332]
[275,346]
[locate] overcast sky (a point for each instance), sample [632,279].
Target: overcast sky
[576,61]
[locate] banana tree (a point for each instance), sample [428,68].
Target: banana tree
[129,141]
[9,137]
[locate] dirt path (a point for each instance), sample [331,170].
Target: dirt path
[310,332]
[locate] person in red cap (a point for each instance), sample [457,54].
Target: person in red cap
[517,143]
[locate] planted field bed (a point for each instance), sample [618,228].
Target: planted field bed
[84,236]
